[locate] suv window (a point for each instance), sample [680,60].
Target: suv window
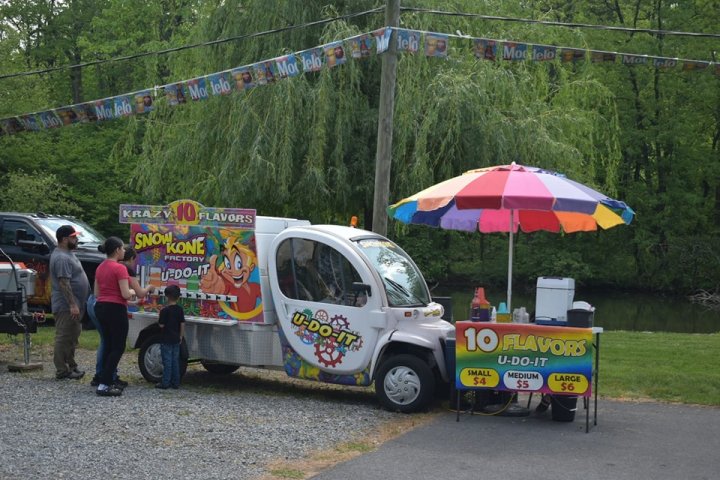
[10,227]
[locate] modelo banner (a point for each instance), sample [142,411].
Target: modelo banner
[208,252]
[521,357]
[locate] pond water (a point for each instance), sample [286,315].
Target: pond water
[613,310]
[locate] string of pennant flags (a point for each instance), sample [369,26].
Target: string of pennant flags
[315,59]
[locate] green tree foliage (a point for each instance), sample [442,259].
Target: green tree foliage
[305,147]
[36,192]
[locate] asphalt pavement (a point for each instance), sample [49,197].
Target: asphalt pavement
[632,440]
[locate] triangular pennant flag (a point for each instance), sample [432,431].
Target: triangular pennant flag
[693,66]
[50,119]
[287,66]
[219,83]
[514,51]
[88,112]
[408,40]
[436,45]
[198,89]
[67,115]
[485,49]
[634,59]
[244,79]
[312,60]
[11,126]
[334,54]
[264,72]
[544,53]
[123,106]
[602,57]
[361,47]
[572,55]
[144,102]
[175,94]
[382,39]
[29,122]
[664,63]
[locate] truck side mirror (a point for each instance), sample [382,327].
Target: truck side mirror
[20,235]
[22,240]
[359,288]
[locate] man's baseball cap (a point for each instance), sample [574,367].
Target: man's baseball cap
[65,231]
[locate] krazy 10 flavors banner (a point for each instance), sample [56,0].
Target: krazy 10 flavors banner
[209,253]
[532,358]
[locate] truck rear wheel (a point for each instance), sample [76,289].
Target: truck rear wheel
[150,360]
[219,368]
[404,383]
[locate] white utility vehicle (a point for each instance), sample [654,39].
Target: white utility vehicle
[323,302]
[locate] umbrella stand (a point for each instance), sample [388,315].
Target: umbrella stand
[510,264]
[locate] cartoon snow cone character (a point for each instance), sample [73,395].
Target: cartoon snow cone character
[232,274]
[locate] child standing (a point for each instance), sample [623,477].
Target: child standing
[172,325]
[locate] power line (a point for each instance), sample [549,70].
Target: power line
[195,45]
[359,14]
[561,24]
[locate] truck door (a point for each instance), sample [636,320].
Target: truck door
[329,309]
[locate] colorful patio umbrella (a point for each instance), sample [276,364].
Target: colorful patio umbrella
[507,197]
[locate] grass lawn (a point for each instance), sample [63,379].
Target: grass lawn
[673,367]
[670,367]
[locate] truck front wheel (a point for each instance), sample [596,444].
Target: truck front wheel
[404,383]
[150,360]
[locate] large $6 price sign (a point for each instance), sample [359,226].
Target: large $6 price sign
[521,357]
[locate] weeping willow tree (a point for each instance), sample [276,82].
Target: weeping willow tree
[305,146]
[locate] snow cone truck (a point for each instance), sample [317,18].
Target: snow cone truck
[328,303]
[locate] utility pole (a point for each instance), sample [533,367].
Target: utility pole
[383,154]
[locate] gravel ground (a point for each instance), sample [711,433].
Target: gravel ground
[213,427]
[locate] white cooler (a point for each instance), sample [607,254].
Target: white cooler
[554,297]
[25,276]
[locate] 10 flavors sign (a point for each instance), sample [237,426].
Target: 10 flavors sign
[330,340]
[518,357]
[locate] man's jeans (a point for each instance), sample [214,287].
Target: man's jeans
[171,364]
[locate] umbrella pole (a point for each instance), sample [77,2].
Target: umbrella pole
[510,264]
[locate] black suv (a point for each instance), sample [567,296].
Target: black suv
[30,238]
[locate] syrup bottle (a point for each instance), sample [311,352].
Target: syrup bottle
[479,307]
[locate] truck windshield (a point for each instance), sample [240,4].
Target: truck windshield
[87,236]
[404,284]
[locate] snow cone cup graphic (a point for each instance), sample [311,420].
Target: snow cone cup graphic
[156,277]
[193,283]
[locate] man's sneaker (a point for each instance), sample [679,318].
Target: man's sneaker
[76,374]
[161,386]
[62,376]
[109,392]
